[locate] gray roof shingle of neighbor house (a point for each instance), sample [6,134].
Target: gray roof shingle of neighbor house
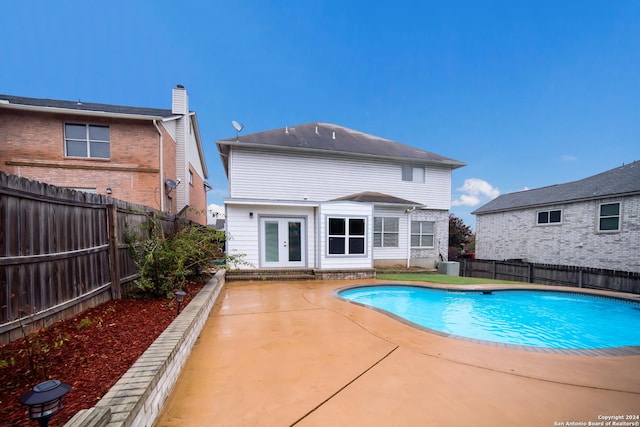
[82,106]
[317,136]
[622,180]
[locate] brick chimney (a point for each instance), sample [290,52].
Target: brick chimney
[180,100]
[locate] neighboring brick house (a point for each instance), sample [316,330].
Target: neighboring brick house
[593,222]
[323,196]
[147,156]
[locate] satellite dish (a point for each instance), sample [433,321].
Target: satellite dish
[170,183]
[237,125]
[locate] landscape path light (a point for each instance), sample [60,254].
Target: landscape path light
[180,297]
[45,400]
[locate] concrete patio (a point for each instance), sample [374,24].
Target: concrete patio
[290,353]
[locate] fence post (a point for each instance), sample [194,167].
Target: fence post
[112,225]
[530,273]
[580,278]
[493,272]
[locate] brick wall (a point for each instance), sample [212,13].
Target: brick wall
[32,145]
[197,199]
[515,235]
[427,257]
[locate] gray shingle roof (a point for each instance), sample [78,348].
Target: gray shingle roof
[335,138]
[84,106]
[617,181]
[375,197]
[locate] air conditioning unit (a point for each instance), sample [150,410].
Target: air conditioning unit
[450,268]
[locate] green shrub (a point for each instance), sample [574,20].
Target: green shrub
[165,264]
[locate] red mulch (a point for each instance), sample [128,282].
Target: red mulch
[95,348]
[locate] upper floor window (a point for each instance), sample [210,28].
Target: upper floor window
[609,217]
[347,236]
[82,140]
[385,232]
[412,173]
[422,234]
[190,177]
[549,217]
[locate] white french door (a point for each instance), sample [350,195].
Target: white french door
[282,242]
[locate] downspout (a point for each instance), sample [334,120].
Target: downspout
[409,212]
[155,123]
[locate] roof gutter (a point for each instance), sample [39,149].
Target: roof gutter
[557,202]
[55,110]
[454,164]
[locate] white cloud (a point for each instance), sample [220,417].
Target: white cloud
[466,200]
[473,189]
[568,158]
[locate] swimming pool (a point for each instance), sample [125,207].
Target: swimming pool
[544,319]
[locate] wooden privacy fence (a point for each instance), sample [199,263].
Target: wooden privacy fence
[549,274]
[62,251]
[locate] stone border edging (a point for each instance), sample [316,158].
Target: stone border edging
[138,396]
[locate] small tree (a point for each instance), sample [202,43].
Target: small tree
[460,236]
[165,264]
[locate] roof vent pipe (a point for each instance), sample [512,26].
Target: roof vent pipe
[316,130]
[334,135]
[286,129]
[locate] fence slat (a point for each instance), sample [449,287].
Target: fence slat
[62,250]
[550,274]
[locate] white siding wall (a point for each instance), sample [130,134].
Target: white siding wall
[345,209]
[514,234]
[243,231]
[194,156]
[399,254]
[275,175]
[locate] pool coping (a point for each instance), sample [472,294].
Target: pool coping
[611,351]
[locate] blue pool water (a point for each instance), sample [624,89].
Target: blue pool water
[530,318]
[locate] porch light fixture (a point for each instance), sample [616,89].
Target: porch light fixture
[251,215]
[180,298]
[45,400]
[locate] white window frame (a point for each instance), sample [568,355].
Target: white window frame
[412,173]
[601,217]
[347,236]
[383,231]
[421,234]
[549,222]
[86,140]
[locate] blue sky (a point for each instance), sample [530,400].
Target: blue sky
[528,94]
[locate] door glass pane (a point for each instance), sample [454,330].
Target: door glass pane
[271,241]
[295,241]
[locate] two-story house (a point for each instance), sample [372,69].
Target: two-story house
[323,196]
[147,156]
[592,222]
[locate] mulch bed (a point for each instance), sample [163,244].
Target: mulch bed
[90,351]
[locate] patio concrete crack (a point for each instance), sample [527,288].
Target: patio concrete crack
[345,386]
